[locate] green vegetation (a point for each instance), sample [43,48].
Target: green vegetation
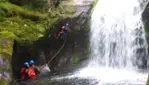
[92,9]
[147,33]
[10,10]
[76,60]
[19,23]
[3,83]
[147,82]
[93,6]
[6,48]
[27,25]
[79,59]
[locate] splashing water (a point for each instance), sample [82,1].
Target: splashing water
[117,33]
[117,43]
[114,32]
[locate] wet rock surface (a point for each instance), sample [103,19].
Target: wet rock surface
[76,47]
[5,60]
[145,14]
[73,82]
[145,19]
[4,70]
[63,82]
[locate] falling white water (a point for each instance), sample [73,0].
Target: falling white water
[117,44]
[115,28]
[117,33]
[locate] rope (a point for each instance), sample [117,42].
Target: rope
[55,54]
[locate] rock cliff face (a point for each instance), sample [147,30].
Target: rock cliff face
[145,14]
[76,48]
[5,60]
[145,18]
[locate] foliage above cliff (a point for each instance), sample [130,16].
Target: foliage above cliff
[27,25]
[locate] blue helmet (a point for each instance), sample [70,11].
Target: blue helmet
[67,24]
[26,63]
[31,62]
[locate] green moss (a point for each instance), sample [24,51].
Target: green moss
[76,60]
[7,35]
[147,82]
[19,23]
[21,30]
[3,83]
[93,6]
[147,33]
[79,59]
[8,9]
[26,25]
[92,9]
[6,48]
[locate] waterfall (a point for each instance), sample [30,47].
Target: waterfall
[117,37]
[117,43]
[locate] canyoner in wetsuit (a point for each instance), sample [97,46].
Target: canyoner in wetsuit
[27,72]
[30,73]
[61,34]
[65,30]
[23,74]
[36,69]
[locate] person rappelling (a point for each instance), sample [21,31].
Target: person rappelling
[65,30]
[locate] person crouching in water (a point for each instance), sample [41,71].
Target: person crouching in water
[23,74]
[36,69]
[30,73]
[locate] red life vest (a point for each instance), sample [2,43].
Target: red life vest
[22,73]
[31,73]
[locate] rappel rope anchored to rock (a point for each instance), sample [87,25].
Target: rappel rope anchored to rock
[55,54]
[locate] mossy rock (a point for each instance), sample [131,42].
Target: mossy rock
[78,59]
[2,12]
[6,41]
[28,25]
[8,9]
[3,83]
[7,35]
[147,33]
